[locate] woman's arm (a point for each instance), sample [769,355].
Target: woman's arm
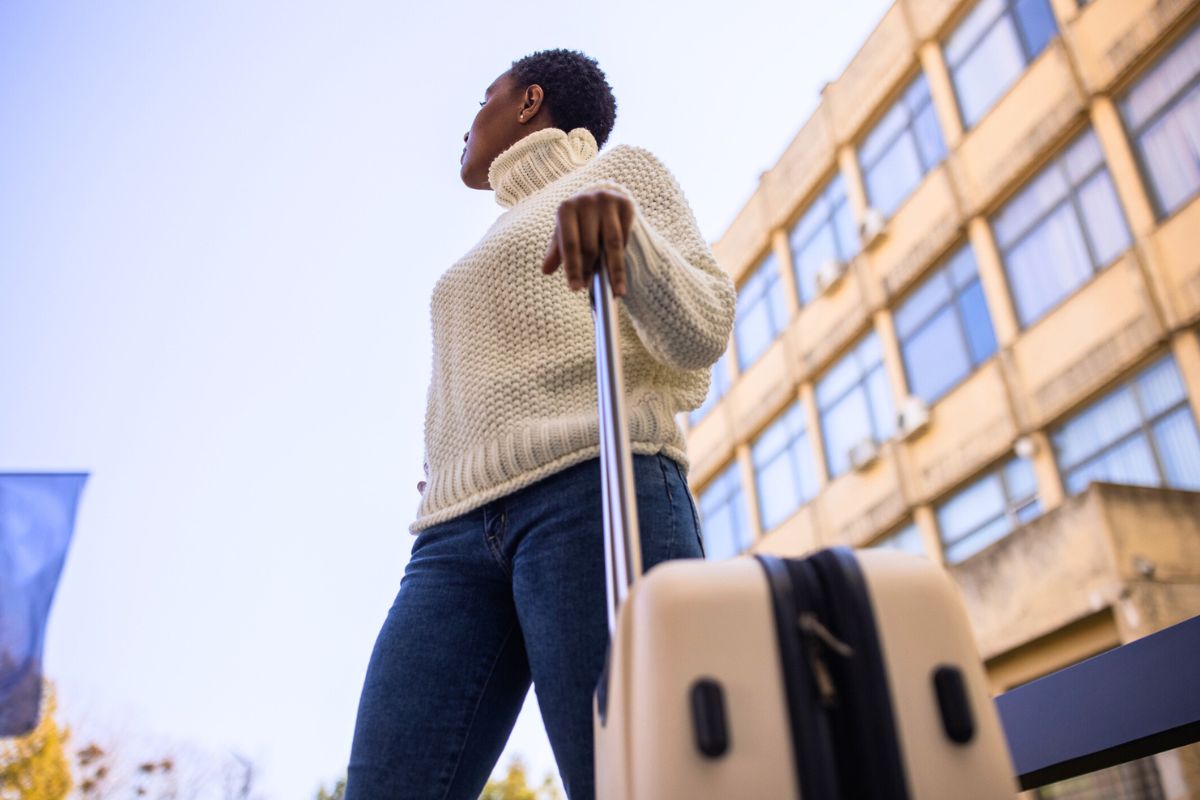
[681,302]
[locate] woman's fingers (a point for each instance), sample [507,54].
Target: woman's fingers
[614,247]
[586,226]
[568,243]
[587,215]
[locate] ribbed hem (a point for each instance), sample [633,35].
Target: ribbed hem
[522,457]
[521,481]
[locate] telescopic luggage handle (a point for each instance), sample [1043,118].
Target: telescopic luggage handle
[622,540]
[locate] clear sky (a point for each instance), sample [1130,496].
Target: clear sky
[220,224]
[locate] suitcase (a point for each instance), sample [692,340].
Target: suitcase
[843,674]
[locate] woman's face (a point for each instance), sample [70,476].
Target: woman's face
[508,113]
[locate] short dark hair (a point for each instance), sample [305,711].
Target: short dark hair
[576,91]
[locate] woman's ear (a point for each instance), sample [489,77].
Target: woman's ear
[532,102]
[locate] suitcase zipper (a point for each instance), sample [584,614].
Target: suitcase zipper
[864,725]
[817,639]
[812,740]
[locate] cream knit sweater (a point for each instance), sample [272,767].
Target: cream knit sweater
[512,397]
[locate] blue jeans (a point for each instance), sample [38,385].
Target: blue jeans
[505,594]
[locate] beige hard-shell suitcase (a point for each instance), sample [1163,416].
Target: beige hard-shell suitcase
[844,674]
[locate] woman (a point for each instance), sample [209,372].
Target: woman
[505,583]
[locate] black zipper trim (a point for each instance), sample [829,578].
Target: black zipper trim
[812,745]
[864,724]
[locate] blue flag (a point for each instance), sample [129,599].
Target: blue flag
[37,517]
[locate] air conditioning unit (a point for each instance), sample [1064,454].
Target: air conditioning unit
[829,274]
[873,226]
[913,417]
[864,453]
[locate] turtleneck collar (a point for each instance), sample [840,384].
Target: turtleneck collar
[538,159]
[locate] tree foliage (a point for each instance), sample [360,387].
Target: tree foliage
[337,793]
[35,766]
[515,786]
[176,773]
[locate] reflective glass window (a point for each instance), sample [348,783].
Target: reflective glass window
[761,312]
[988,509]
[901,148]
[784,468]
[825,232]
[944,328]
[717,387]
[1162,112]
[1060,229]
[725,524]
[990,48]
[906,540]
[1142,433]
[855,403]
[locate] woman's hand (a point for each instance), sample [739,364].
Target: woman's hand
[590,224]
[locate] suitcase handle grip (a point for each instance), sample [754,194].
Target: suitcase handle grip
[622,539]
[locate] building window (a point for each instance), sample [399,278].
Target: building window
[761,312]
[1060,229]
[988,509]
[989,50]
[855,403]
[1162,112]
[784,470]
[944,328]
[902,147]
[725,524]
[1142,433]
[717,387]
[825,232]
[906,540]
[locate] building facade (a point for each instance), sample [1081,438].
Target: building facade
[969,327]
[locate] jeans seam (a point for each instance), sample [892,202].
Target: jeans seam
[670,507]
[475,711]
[692,507]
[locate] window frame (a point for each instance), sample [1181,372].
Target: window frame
[1144,428]
[1011,511]
[944,267]
[1057,161]
[720,367]
[907,128]
[769,285]
[1010,11]
[859,383]
[888,541]
[788,450]
[745,538]
[1131,134]
[853,248]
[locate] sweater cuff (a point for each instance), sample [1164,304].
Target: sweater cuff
[679,308]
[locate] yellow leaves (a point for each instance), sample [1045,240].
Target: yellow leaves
[34,766]
[515,786]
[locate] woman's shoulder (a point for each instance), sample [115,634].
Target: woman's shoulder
[630,155]
[633,166]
